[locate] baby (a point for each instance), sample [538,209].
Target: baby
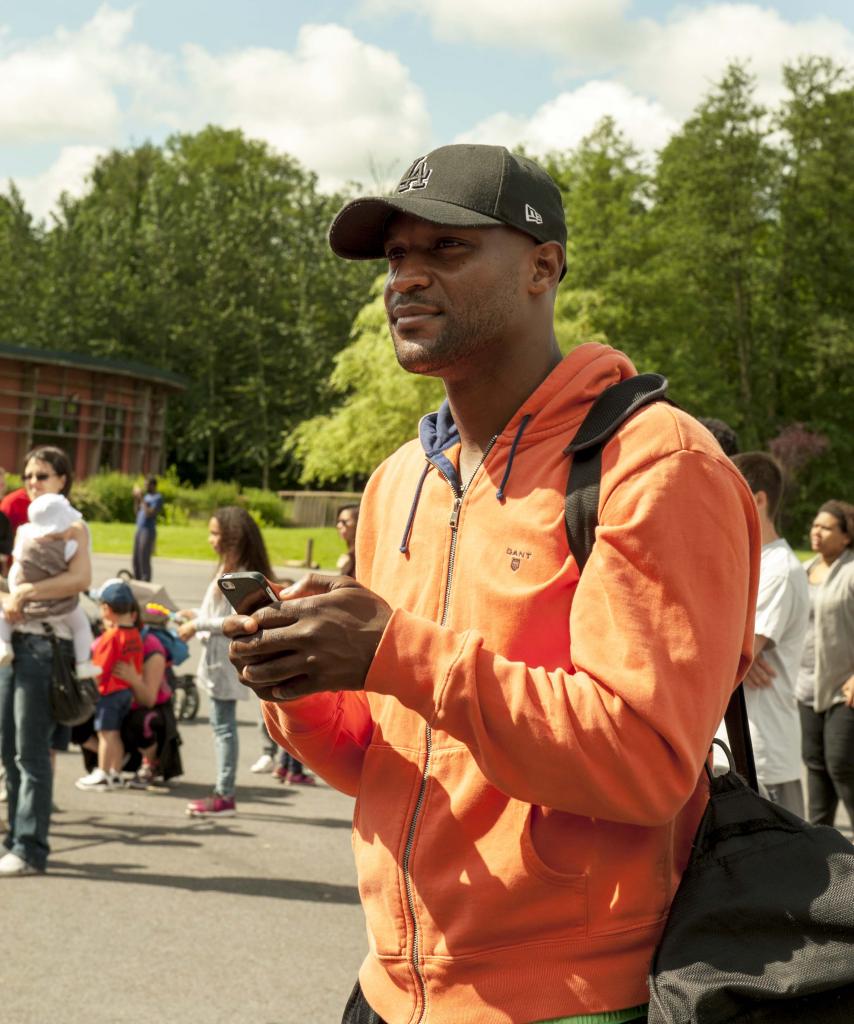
[40,552]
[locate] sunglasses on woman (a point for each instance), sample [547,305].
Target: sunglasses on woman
[41,477]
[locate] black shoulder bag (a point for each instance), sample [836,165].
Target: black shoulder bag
[72,700]
[761,929]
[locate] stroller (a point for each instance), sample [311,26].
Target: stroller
[161,622]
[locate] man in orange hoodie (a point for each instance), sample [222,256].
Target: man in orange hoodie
[525,744]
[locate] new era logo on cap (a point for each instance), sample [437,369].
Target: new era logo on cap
[416,177]
[531,215]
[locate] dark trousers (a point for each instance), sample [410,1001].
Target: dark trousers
[827,747]
[143,544]
[357,1011]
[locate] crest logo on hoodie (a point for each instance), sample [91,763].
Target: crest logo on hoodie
[517,557]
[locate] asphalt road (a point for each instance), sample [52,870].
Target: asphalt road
[146,915]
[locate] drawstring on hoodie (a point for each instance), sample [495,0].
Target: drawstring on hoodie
[404,544]
[499,494]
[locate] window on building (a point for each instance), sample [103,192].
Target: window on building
[56,421]
[113,437]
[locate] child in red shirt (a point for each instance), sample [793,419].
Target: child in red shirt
[120,642]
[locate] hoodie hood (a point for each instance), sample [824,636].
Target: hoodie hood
[558,404]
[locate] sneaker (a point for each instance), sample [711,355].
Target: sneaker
[263,764]
[280,774]
[215,806]
[7,655]
[87,670]
[98,779]
[12,865]
[143,778]
[300,779]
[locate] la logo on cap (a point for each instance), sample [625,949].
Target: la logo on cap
[531,215]
[416,177]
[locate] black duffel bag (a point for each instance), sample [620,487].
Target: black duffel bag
[761,930]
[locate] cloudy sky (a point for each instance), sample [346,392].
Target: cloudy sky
[357,88]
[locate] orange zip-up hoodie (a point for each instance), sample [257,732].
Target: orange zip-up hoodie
[527,753]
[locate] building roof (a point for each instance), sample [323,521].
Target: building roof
[81,360]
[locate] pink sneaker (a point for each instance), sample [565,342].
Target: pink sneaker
[215,806]
[300,779]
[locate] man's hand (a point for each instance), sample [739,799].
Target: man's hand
[322,636]
[848,691]
[760,675]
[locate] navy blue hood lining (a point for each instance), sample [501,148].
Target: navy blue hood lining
[437,433]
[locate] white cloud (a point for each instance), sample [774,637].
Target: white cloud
[564,121]
[679,60]
[674,61]
[346,109]
[67,174]
[343,107]
[555,26]
[64,87]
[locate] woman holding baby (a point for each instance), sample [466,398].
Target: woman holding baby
[46,595]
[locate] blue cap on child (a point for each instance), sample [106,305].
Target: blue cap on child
[118,595]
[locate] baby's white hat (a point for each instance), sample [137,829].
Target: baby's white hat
[51,513]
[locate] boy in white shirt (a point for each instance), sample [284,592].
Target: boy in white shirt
[782,618]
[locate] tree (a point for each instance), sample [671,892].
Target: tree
[714,225]
[380,410]
[21,269]
[606,193]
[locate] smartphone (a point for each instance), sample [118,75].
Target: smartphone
[246,592]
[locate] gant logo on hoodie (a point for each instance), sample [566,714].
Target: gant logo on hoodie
[517,557]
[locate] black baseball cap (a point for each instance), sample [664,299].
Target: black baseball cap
[464,185]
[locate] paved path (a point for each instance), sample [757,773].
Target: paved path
[149,916]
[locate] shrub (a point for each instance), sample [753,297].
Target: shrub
[266,504]
[108,496]
[87,502]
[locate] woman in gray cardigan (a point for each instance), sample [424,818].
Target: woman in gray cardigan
[235,537]
[825,687]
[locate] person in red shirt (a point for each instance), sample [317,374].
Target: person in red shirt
[14,506]
[120,642]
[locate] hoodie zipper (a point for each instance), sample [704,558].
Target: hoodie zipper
[453,522]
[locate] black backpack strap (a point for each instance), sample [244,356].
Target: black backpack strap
[738,734]
[610,410]
[581,514]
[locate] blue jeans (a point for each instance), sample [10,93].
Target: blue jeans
[26,729]
[224,722]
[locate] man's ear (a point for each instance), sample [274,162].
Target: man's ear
[761,499]
[547,261]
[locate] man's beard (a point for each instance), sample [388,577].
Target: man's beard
[460,338]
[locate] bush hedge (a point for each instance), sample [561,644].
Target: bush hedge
[108,498]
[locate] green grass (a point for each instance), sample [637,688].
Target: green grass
[191,541]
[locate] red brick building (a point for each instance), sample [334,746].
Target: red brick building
[105,414]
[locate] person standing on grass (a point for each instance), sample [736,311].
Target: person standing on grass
[782,618]
[345,523]
[149,507]
[236,540]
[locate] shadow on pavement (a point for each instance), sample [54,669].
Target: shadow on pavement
[277,888]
